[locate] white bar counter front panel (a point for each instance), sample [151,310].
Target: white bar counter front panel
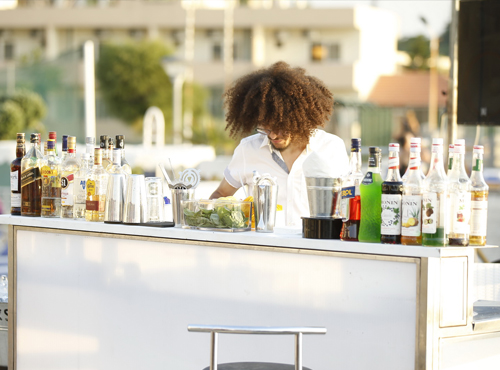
[90,302]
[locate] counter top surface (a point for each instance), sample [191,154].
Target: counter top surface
[291,240]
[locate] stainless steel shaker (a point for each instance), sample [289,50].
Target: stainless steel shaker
[115,198]
[177,196]
[135,200]
[265,200]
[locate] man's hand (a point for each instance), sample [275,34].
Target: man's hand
[224,190]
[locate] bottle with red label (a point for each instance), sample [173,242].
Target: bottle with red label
[15,176]
[479,202]
[414,156]
[392,191]
[459,189]
[351,197]
[51,182]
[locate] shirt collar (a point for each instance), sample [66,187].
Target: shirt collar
[266,142]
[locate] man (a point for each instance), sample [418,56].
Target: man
[286,107]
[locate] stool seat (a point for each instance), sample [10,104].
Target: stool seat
[255,366]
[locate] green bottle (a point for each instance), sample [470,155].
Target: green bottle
[371,196]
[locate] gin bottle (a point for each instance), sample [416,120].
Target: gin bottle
[479,206]
[411,222]
[351,197]
[51,182]
[459,188]
[69,168]
[392,191]
[434,200]
[80,194]
[97,181]
[15,176]
[120,143]
[31,179]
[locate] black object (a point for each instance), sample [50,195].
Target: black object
[478,61]
[150,224]
[321,227]
[255,366]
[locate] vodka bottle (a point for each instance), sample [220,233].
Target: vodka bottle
[51,182]
[434,200]
[479,206]
[15,176]
[64,151]
[459,188]
[392,190]
[80,194]
[351,197]
[31,179]
[371,194]
[411,222]
[69,168]
[97,181]
[120,143]
[89,149]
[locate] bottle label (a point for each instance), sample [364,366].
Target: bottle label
[478,166]
[92,205]
[15,200]
[411,205]
[368,179]
[391,214]
[30,175]
[48,172]
[80,188]
[90,188]
[478,218]
[414,163]
[430,213]
[14,181]
[393,164]
[460,212]
[348,193]
[67,190]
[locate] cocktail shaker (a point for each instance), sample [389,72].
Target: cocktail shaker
[135,200]
[266,201]
[115,198]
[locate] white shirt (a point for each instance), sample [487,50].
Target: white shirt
[256,153]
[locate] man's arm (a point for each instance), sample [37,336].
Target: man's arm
[224,190]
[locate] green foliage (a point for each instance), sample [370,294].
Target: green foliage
[21,112]
[39,75]
[418,48]
[444,41]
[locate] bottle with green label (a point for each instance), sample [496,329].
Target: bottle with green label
[479,202]
[371,197]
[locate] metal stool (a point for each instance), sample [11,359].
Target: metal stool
[214,330]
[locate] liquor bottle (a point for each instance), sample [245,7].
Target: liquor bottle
[351,198]
[53,136]
[64,148]
[51,182]
[450,157]
[15,176]
[411,217]
[116,167]
[479,206]
[413,155]
[392,191]
[459,188]
[97,181]
[69,169]
[31,179]
[106,161]
[45,150]
[371,195]
[80,194]
[90,145]
[120,143]
[434,200]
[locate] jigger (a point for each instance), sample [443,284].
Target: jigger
[135,200]
[115,198]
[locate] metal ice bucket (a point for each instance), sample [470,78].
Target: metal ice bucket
[324,196]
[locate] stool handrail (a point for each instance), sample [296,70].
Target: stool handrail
[279,330]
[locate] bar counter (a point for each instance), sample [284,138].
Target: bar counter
[88,295]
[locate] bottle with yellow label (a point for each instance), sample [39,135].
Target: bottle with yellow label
[96,184]
[51,182]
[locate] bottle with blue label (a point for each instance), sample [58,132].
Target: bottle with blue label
[80,195]
[351,196]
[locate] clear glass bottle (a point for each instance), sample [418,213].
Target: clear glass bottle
[351,197]
[31,179]
[116,167]
[97,182]
[120,143]
[69,168]
[51,182]
[411,205]
[371,195]
[53,136]
[435,200]
[15,176]
[104,151]
[64,151]
[450,157]
[413,141]
[80,194]
[479,206]
[392,191]
[459,189]
[89,148]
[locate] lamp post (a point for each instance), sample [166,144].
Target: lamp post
[433,79]
[175,69]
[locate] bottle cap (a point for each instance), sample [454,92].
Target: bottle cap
[374,150]
[104,142]
[415,147]
[20,137]
[90,140]
[415,140]
[478,149]
[51,144]
[459,146]
[110,143]
[65,143]
[450,148]
[34,138]
[120,141]
[394,147]
[437,141]
[356,142]
[52,135]
[71,142]
[97,155]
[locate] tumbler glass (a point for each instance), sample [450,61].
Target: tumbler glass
[154,200]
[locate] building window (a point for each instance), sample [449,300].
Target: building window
[8,52]
[216,52]
[242,47]
[325,52]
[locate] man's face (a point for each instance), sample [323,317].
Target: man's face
[279,141]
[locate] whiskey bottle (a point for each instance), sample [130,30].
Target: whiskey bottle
[69,169]
[51,182]
[79,187]
[392,191]
[459,188]
[15,176]
[97,182]
[120,144]
[31,181]
[479,206]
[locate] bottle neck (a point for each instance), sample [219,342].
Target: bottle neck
[436,164]
[477,166]
[458,162]
[450,161]
[355,162]
[20,150]
[393,174]
[374,163]
[414,164]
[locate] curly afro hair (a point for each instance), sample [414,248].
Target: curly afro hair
[280,98]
